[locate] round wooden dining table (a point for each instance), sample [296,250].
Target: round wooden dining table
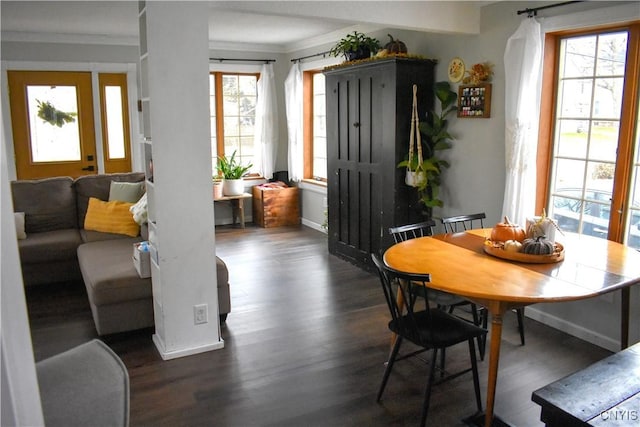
[458,264]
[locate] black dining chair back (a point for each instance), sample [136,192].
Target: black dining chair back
[456,224]
[430,329]
[412,231]
[443,300]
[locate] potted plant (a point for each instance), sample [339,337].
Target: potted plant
[232,172]
[355,46]
[217,186]
[436,138]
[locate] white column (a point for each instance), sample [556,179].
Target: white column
[178,79]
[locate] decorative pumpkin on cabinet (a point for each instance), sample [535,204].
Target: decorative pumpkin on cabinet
[395,46]
[507,230]
[538,246]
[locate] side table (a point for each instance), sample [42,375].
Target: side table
[237,206]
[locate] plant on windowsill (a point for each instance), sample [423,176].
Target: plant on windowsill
[232,172]
[355,46]
[436,138]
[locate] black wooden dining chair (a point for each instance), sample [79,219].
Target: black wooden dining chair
[442,300]
[455,224]
[427,328]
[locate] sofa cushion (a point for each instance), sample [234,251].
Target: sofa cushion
[49,204]
[109,274]
[129,192]
[97,236]
[19,220]
[110,217]
[48,246]
[98,186]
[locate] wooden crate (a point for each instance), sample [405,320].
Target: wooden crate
[274,207]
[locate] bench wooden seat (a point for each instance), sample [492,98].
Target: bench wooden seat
[606,393]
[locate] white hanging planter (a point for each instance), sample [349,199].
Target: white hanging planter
[415,178]
[233,187]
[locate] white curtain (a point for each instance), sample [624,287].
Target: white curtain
[266,130]
[523,77]
[293,101]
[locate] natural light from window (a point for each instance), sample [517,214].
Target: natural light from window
[53,123]
[590,85]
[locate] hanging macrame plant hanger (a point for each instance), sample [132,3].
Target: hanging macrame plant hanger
[415,175]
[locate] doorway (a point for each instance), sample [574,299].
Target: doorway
[52,117]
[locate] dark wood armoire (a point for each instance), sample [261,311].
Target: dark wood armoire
[368,124]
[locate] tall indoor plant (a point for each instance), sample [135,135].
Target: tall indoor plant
[232,172]
[436,138]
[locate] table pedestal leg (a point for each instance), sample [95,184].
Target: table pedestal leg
[494,357]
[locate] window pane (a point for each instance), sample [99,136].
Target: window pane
[212,124]
[319,127]
[608,98]
[115,122]
[53,123]
[604,141]
[612,50]
[231,126]
[579,56]
[572,138]
[575,99]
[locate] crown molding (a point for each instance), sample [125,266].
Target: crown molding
[25,37]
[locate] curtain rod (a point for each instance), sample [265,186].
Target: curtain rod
[534,10]
[266,61]
[323,54]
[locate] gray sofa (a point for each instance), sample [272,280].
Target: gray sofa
[57,248]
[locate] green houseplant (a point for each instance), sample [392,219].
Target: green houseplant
[436,138]
[230,168]
[232,172]
[355,46]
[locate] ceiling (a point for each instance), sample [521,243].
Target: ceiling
[275,26]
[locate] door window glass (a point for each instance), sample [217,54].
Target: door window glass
[115,122]
[53,124]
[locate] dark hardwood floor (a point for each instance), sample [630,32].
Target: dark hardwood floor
[305,344]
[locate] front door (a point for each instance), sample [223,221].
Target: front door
[52,121]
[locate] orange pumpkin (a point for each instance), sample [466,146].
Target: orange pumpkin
[507,230]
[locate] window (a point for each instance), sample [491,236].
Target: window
[115,122]
[233,99]
[591,135]
[315,128]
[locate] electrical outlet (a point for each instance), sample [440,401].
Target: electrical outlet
[200,314]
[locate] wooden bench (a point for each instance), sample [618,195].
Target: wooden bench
[605,394]
[237,206]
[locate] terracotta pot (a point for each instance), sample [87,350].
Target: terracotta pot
[217,190]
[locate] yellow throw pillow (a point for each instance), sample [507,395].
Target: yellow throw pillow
[110,217]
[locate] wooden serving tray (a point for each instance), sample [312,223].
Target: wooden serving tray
[495,249]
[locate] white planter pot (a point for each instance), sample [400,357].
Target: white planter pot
[415,179]
[233,187]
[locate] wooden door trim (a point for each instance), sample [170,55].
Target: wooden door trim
[25,167]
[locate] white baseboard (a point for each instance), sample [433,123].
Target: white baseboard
[314,225]
[168,355]
[573,329]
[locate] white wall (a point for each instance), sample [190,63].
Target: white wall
[20,399]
